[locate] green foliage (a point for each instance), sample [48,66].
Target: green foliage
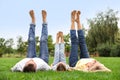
[103,32]
[21,46]
[50,45]
[6,46]
[67,42]
[115,50]
[104,49]
[109,50]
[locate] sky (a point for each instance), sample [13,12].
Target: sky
[15,19]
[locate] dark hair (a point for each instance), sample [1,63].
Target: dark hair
[61,67]
[29,68]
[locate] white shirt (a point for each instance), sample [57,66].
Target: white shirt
[41,64]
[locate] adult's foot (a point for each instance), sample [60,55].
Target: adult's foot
[79,26]
[44,15]
[32,16]
[73,19]
[77,16]
[73,16]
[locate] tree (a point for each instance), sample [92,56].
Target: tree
[67,44]
[117,38]
[102,29]
[50,45]
[21,46]
[2,46]
[8,44]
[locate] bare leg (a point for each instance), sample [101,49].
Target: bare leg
[73,20]
[32,16]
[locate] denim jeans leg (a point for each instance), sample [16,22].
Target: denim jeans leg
[82,43]
[74,49]
[31,42]
[43,43]
[61,52]
[56,54]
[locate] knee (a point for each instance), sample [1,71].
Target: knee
[31,39]
[43,38]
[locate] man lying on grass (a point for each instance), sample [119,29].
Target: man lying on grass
[85,63]
[32,63]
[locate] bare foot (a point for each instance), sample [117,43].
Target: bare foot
[73,15]
[60,33]
[79,27]
[78,19]
[61,36]
[44,15]
[32,16]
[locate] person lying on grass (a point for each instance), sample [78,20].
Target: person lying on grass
[59,63]
[85,63]
[32,63]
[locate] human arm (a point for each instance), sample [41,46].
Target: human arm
[20,65]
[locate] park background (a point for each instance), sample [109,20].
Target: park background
[100,19]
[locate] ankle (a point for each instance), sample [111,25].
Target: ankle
[44,20]
[33,21]
[79,27]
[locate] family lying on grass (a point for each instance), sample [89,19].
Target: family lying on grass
[33,63]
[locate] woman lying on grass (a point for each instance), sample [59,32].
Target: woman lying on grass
[85,63]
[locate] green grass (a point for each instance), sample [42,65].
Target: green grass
[110,62]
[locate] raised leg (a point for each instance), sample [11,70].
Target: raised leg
[62,48]
[74,42]
[43,40]
[31,37]
[56,54]
[82,43]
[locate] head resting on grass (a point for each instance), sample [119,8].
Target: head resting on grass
[61,67]
[30,66]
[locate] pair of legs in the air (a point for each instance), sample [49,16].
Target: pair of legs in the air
[33,63]
[59,57]
[77,41]
[43,40]
[59,49]
[80,42]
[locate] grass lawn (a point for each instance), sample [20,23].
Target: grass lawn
[112,63]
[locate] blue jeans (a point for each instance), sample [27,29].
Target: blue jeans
[43,43]
[59,53]
[75,42]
